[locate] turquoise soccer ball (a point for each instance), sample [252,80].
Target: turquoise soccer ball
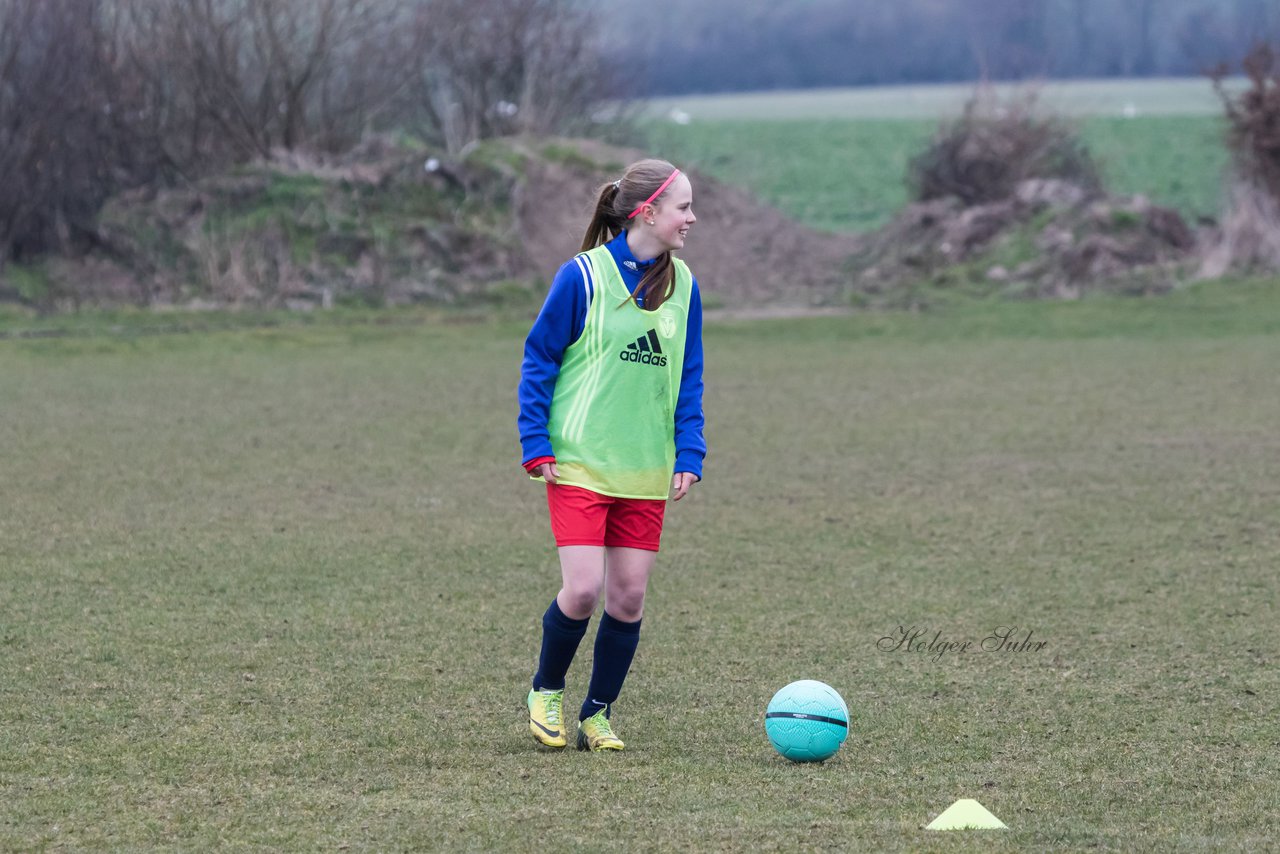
[807,721]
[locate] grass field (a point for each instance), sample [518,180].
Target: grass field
[836,159]
[281,587]
[850,175]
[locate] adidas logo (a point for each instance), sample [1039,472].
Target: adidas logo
[645,350]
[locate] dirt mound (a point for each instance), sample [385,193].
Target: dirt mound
[1249,237]
[390,224]
[373,226]
[1050,239]
[741,250]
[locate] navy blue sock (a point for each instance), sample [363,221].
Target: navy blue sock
[560,638]
[616,643]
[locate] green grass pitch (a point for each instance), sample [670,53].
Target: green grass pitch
[281,588]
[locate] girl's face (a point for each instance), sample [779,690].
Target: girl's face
[673,214]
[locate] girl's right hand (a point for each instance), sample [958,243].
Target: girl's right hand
[548,472]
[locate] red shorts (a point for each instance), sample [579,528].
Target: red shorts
[580,517]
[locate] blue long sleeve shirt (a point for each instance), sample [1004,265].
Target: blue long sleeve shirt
[560,323]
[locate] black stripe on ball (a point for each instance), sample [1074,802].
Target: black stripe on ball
[802,716]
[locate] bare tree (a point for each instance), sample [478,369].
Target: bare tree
[66,138]
[1253,117]
[1137,48]
[1251,227]
[493,67]
[237,78]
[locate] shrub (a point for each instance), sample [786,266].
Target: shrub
[1253,118]
[1250,236]
[994,146]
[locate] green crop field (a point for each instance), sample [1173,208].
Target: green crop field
[850,175]
[281,587]
[837,159]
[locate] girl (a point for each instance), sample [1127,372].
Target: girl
[611,419]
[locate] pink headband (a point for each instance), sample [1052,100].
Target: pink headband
[656,193]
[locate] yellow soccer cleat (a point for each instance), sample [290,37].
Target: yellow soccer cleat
[545,719]
[595,734]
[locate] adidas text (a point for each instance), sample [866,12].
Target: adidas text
[645,350]
[643,358]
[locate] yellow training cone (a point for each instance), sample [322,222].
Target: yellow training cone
[965,814]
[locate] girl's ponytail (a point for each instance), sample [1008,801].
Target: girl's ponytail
[605,224]
[643,182]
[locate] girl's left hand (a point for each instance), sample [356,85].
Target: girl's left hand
[681,482]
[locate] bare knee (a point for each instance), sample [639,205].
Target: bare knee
[578,602]
[581,580]
[626,604]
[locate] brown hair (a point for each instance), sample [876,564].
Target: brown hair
[614,203]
